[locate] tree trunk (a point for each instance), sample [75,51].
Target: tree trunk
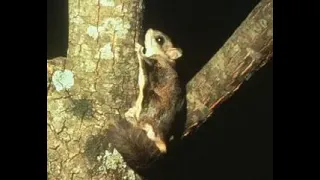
[97,83]
[91,88]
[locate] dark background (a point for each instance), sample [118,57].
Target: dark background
[237,141]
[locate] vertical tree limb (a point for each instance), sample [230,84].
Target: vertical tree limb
[91,88]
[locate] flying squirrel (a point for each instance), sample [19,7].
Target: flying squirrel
[142,138]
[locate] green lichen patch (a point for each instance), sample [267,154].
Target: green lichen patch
[111,26]
[112,160]
[107,2]
[106,159]
[62,79]
[105,52]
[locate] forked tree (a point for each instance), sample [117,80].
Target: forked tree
[97,83]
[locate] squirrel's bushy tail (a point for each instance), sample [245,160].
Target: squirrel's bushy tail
[138,151]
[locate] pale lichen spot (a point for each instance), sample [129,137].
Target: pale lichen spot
[62,79]
[111,161]
[105,52]
[107,2]
[117,26]
[93,32]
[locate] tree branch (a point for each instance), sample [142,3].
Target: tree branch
[245,52]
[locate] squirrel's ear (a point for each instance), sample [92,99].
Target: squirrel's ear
[174,53]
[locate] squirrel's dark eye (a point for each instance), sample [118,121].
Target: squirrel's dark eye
[160,40]
[144,50]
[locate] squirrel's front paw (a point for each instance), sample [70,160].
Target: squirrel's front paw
[138,47]
[130,114]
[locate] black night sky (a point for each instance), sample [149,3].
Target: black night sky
[237,142]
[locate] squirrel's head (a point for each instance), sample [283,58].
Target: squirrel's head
[158,43]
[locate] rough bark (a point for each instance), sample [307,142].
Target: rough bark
[91,88]
[245,52]
[97,83]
